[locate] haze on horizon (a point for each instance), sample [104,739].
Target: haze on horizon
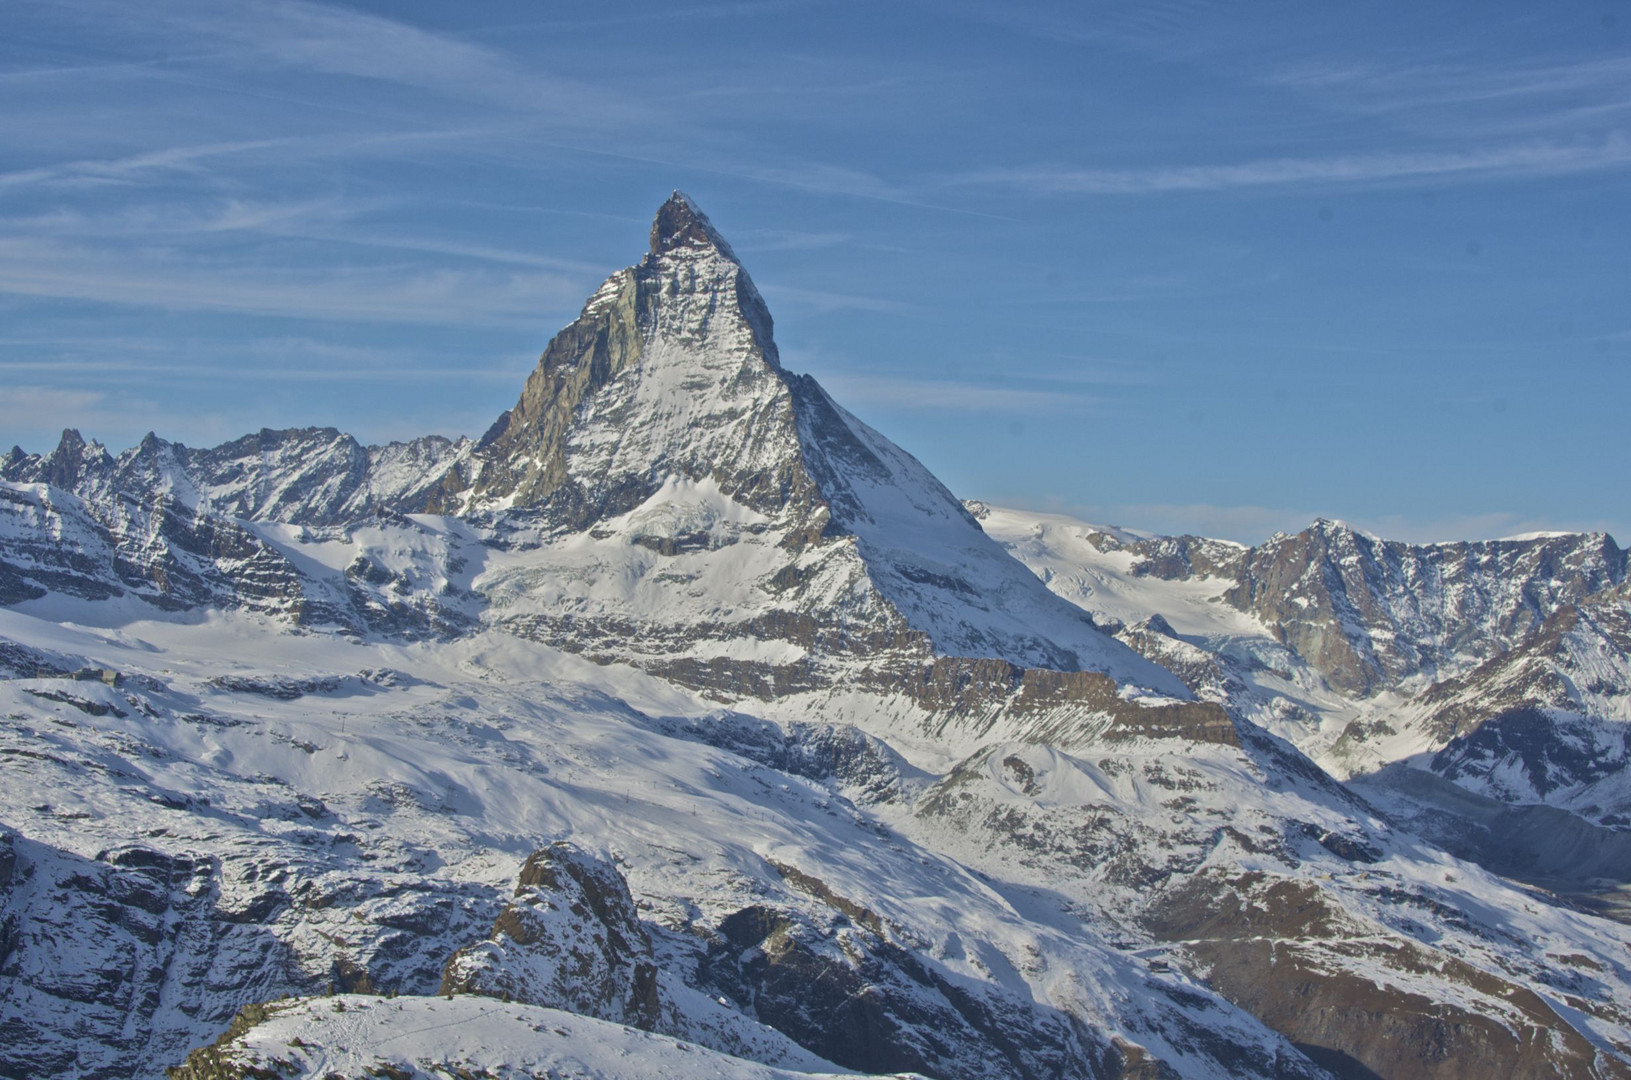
[1170,266]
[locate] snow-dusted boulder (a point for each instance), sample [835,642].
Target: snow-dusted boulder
[571,939]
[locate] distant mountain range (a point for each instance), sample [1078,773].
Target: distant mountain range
[685,725]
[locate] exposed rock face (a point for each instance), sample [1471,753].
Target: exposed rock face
[1173,558]
[571,939]
[659,426]
[128,946]
[861,763]
[114,962]
[1532,755]
[1279,948]
[669,371]
[1284,941]
[662,420]
[1547,722]
[1369,613]
[156,549]
[1517,652]
[855,998]
[1208,674]
[1061,707]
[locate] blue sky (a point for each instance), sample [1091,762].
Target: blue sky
[1172,265]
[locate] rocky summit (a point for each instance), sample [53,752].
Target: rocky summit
[682,724]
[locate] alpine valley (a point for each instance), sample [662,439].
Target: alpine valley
[684,726]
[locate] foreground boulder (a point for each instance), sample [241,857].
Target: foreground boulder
[571,939]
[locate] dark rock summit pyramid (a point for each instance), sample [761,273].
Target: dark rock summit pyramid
[670,370]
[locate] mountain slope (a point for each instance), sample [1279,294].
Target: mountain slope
[1540,726]
[1549,721]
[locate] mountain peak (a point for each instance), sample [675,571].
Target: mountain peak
[680,225]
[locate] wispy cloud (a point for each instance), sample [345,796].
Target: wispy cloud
[91,171]
[1514,96]
[1170,29]
[1530,159]
[827,179]
[227,165]
[462,250]
[408,294]
[650,14]
[821,300]
[1069,370]
[106,371]
[792,240]
[952,396]
[344,42]
[21,406]
[185,217]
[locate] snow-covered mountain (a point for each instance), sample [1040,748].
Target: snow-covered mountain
[1548,721]
[660,439]
[1501,666]
[1368,615]
[182,529]
[314,476]
[684,725]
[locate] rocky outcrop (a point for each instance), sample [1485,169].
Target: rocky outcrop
[1061,707]
[571,939]
[111,964]
[855,998]
[1277,948]
[669,370]
[1547,722]
[861,764]
[1175,558]
[1209,675]
[1531,755]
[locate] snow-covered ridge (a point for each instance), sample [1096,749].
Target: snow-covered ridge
[1368,614]
[1500,664]
[357,1035]
[305,476]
